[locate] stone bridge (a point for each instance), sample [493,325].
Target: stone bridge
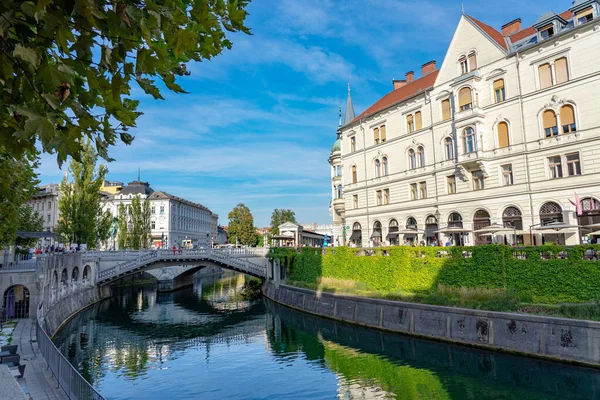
[175,269]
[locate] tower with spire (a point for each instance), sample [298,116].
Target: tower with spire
[349,116]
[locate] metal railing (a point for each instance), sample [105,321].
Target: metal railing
[67,377]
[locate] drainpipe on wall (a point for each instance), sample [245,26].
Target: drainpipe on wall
[362,128]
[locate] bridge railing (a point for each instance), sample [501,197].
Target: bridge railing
[67,377]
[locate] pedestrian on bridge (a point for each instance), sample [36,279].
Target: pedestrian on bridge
[174,250]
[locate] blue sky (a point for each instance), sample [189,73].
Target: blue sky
[260,119]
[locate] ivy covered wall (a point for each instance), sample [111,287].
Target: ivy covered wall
[547,274]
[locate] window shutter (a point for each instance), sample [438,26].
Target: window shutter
[464,97]
[586,12]
[549,119]
[545,76]
[567,115]
[382,133]
[376,135]
[418,120]
[499,84]
[445,110]
[560,68]
[503,140]
[410,127]
[472,62]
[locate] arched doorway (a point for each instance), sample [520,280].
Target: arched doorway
[86,273]
[377,234]
[356,237]
[551,212]
[590,214]
[75,275]
[455,221]
[411,225]
[393,232]
[512,218]
[16,302]
[481,220]
[431,226]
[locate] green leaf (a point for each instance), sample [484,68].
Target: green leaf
[183,41]
[27,54]
[148,86]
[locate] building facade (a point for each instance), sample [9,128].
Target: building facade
[294,235]
[506,132]
[45,203]
[174,221]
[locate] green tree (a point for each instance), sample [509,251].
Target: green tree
[80,204]
[135,218]
[104,223]
[123,222]
[241,226]
[67,66]
[146,225]
[29,221]
[281,217]
[17,185]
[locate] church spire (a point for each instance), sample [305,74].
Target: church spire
[349,107]
[340,121]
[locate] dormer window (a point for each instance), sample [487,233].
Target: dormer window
[547,31]
[584,16]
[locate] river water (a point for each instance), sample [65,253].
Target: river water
[207,342]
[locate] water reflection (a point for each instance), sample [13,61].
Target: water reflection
[208,342]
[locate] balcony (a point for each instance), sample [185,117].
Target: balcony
[339,205]
[468,159]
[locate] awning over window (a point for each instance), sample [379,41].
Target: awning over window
[376,234]
[355,235]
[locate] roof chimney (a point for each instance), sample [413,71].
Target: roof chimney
[398,83]
[428,68]
[410,76]
[511,27]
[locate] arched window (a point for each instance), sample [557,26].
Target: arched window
[393,224]
[567,119]
[481,219]
[356,227]
[411,223]
[512,218]
[384,162]
[469,142]
[449,148]
[410,123]
[503,139]
[420,156]
[499,93]
[464,68]
[354,174]
[377,234]
[550,124]
[445,110]
[412,159]
[418,121]
[75,274]
[550,212]
[465,99]
[455,220]
[472,61]
[377,168]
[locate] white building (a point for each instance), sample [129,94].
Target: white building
[175,221]
[506,131]
[45,203]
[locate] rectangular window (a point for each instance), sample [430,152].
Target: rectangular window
[153,210]
[410,123]
[547,31]
[42,206]
[573,164]
[413,191]
[463,65]
[584,16]
[561,71]
[382,133]
[376,135]
[355,201]
[153,224]
[499,92]
[162,209]
[545,75]
[507,175]
[386,196]
[353,144]
[422,190]
[48,217]
[418,121]
[478,180]
[49,205]
[472,61]
[555,167]
[445,110]
[378,195]
[451,184]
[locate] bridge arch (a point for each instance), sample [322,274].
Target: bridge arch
[16,302]
[75,274]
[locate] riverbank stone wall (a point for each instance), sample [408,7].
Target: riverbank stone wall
[557,338]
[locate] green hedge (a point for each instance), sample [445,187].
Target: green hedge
[419,269]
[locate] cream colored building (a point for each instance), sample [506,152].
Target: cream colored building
[506,131]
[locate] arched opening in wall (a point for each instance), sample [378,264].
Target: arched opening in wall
[431,226]
[377,234]
[392,235]
[64,277]
[590,215]
[512,218]
[410,233]
[356,236]
[86,273]
[481,220]
[551,212]
[16,302]
[75,275]
[455,226]
[55,280]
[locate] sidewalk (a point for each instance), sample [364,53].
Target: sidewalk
[38,382]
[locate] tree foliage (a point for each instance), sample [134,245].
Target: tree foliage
[66,67]
[241,226]
[80,204]
[29,221]
[123,232]
[134,224]
[281,217]
[17,185]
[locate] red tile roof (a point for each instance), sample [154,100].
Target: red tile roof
[405,92]
[515,37]
[491,32]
